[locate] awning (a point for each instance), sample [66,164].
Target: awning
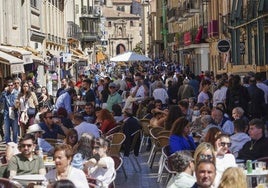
[77,52]
[18,52]
[16,64]
[198,36]
[35,52]
[100,56]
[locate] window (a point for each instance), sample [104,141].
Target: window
[109,24]
[34,3]
[131,23]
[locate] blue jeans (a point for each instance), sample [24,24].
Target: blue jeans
[13,124]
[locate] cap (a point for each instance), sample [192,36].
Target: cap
[35,128]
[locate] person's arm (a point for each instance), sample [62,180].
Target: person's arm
[12,167]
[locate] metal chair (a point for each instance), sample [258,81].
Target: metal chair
[161,141]
[135,140]
[153,134]
[117,139]
[116,129]
[145,131]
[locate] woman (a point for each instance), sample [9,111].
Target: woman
[72,137]
[45,99]
[204,95]
[27,103]
[101,167]
[224,159]
[174,113]
[204,151]
[106,120]
[212,135]
[179,138]
[85,146]
[233,177]
[63,156]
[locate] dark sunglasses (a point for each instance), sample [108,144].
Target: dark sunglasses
[24,145]
[49,117]
[205,157]
[228,144]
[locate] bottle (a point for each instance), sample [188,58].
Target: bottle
[40,152]
[249,166]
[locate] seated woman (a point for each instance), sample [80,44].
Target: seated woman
[179,138]
[117,113]
[224,159]
[101,167]
[106,120]
[63,157]
[183,163]
[71,138]
[204,151]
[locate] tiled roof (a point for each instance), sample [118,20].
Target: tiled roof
[110,12]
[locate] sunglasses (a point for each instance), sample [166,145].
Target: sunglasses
[26,145]
[10,85]
[49,117]
[205,157]
[228,144]
[16,83]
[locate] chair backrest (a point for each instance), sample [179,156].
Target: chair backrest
[6,183]
[155,130]
[117,139]
[135,138]
[162,141]
[116,129]
[163,133]
[118,161]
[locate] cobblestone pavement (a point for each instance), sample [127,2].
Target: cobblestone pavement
[144,178]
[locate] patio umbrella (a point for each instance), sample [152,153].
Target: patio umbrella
[130,56]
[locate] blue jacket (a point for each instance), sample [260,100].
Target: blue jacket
[178,143]
[8,99]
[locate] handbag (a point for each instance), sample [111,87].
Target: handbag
[24,117]
[31,111]
[11,113]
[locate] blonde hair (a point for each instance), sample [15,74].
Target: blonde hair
[233,177]
[202,147]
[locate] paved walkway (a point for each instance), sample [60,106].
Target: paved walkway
[145,178]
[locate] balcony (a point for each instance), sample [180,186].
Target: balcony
[88,36]
[171,14]
[189,8]
[72,30]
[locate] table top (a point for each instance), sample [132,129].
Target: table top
[30,177]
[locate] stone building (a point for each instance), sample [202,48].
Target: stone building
[122,28]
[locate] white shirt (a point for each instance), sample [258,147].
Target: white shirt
[219,95]
[75,175]
[222,163]
[105,175]
[160,93]
[202,97]
[140,93]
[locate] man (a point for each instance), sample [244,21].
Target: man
[89,113]
[62,89]
[26,162]
[83,127]
[255,105]
[257,146]
[17,83]
[65,101]
[185,91]
[183,163]
[53,127]
[114,97]
[184,106]
[10,114]
[205,172]
[223,122]
[88,94]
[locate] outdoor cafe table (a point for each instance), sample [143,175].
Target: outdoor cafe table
[256,177]
[30,178]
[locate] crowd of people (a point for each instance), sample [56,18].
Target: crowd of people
[219,119]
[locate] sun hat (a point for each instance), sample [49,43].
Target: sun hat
[78,161]
[35,128]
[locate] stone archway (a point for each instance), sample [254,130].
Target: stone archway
[120,48]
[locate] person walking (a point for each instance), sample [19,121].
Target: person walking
[10,114]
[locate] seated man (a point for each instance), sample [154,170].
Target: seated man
[26,162]
[182,163]
[223,122]
[89,113]
[52,129]
[257,146]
